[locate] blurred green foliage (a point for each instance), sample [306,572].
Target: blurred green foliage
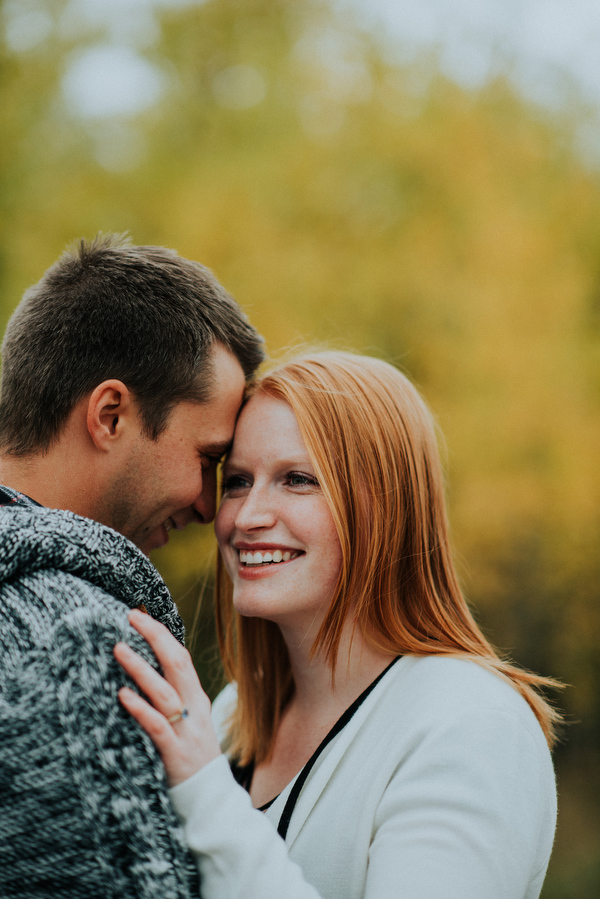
[348,199]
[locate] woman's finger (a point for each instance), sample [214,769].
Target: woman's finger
[187,743]
[184,748]
[174,659]
[161,694]
[182,754]
[152,721]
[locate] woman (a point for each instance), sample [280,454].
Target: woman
[373,724]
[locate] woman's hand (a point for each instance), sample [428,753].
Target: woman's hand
[187,742]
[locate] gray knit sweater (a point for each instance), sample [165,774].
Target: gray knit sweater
[84,810]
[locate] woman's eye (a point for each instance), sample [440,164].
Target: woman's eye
[299,479]
[234,482]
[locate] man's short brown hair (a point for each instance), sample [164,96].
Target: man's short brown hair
[108,309]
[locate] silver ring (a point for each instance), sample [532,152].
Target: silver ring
[182,713]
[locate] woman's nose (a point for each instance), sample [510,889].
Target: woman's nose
[256,511]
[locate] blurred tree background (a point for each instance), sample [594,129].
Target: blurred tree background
[347,197]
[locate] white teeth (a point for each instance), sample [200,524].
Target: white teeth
[260,558]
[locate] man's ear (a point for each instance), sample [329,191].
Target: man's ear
[110,413]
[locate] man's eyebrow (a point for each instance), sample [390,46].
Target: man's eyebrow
[216,449]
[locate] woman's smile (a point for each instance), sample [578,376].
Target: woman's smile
[264,561]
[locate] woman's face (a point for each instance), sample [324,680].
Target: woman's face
[274,528]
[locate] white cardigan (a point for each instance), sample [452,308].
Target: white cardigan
[440,787]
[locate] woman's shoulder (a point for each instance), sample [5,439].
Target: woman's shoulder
[448,714]
[447,688]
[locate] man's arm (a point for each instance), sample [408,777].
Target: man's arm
[84,809]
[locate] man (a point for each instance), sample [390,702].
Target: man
[123,372]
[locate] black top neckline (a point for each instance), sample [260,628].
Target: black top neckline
[243,774]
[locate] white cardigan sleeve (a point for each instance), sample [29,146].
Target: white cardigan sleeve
[238,851]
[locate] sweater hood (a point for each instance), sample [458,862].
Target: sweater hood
[36,539]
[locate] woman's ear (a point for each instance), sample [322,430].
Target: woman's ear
[111,411]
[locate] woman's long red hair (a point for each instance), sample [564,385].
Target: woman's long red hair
[372,442]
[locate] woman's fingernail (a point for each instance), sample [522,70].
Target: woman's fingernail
[125,693]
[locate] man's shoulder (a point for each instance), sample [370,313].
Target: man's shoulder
[74,762]
[25,526]
[39,547]
[55,559]
[37,607]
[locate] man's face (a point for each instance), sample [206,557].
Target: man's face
[170,482]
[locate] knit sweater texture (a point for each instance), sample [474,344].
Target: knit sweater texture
[84,809]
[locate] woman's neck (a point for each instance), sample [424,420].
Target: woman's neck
[317,687]
[317,702]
